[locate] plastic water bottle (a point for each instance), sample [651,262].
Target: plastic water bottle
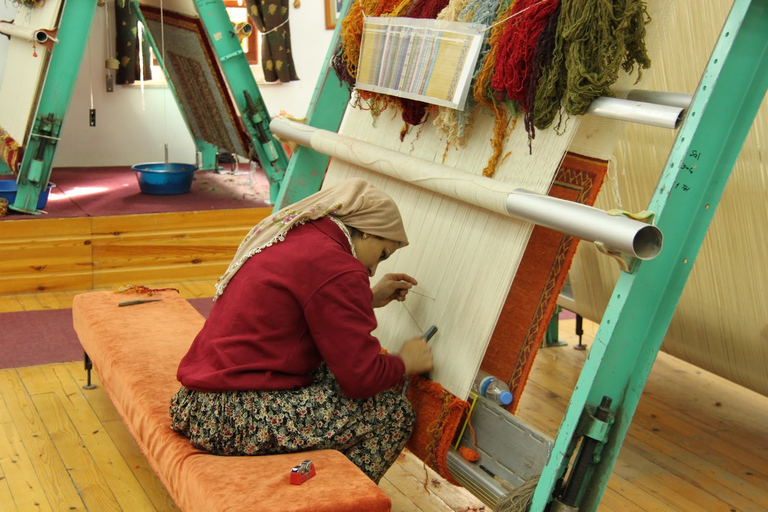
[492,388]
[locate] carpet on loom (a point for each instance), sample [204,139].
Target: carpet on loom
[539,279]
[522,324]
[106,191]
[32,338]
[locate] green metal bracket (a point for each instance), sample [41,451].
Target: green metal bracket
[55,96]
[689,190]
[307,167]
[552,336]
[242,86]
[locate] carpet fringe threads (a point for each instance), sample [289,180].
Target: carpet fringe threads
[542,60]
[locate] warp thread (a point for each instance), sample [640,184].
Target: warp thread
[519,499]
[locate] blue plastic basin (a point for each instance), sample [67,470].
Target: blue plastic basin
[9,188]
[159,178]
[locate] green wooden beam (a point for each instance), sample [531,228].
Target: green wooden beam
[306,169]
[689,190]
[55,97]
[242,85]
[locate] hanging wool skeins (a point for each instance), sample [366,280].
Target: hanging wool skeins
[450,121]
[345,62]
[594,40]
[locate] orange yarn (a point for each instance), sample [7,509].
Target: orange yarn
[485,96]
[469,454]
[439,416]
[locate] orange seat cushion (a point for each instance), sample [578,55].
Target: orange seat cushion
[136,351]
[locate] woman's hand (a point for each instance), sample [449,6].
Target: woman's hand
[392,287]
[417,356]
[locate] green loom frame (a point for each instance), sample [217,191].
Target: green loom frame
[74,28]
[642,304]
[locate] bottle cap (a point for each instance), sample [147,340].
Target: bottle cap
[505,397]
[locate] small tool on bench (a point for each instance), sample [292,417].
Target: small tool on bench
[302,472]
[138,301]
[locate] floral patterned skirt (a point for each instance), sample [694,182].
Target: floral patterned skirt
[371,432]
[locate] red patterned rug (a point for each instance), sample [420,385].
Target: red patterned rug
[532,299]
[523,322]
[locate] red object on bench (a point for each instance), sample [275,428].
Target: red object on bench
[135,351]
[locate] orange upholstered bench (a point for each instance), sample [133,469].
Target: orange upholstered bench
[135,351]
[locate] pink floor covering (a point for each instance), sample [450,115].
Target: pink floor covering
[105,191]
[32,338]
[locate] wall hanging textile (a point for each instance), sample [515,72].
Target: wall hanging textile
[200,87]
[10,151]
[271,19]
[127,47]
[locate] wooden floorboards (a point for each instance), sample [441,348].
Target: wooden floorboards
[697,442]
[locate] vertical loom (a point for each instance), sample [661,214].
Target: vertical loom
[580,460]
[229,65]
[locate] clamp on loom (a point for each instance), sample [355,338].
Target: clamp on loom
[626,262]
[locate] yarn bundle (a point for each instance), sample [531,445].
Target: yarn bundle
[543,60]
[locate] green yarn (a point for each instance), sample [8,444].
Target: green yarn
[595,40]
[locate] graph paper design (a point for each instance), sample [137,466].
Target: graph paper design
[420,59]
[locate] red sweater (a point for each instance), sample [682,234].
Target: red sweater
[298,303]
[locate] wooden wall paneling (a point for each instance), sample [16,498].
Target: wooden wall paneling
[139,249]
[45,255]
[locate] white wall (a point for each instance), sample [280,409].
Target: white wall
[132,126]
[7,12]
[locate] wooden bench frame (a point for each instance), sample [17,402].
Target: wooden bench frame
[136,351]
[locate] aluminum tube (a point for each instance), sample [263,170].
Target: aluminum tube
[617,233]
[673,99]
[637,112]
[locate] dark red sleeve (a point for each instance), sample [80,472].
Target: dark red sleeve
[340,318]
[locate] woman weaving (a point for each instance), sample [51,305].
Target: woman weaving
[286,361]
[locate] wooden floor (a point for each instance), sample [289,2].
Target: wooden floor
[697,442]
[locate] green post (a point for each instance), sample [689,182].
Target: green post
[643,302]
[56,94]
[245,92]
[329,101]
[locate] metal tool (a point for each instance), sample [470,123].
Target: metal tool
[302,472]
[138,301]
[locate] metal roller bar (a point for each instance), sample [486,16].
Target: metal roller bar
[635,111]
[616,233]
[673,99]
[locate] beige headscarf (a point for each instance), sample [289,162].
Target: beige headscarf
[355,202]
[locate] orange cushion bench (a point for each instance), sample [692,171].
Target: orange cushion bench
[136,351]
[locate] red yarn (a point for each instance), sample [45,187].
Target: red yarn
[517,46]
[427,9]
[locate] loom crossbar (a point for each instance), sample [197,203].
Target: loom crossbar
[616,233]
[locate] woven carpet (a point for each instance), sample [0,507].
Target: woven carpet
[522,324]
[31,338]
[539,280]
